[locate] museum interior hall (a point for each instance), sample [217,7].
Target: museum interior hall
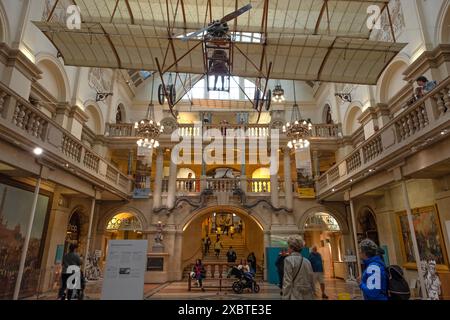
[190,149]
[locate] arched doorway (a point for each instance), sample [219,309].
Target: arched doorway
[323,231]
[233,227]
[73,232]
[122,226]
[367,226]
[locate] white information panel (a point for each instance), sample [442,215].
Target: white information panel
[125,268]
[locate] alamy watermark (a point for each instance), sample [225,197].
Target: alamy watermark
[227,147]
[74,280]
[374,19]
[73,21]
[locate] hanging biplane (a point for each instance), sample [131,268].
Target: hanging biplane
[308,40]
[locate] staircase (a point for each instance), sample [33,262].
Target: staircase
[239,246]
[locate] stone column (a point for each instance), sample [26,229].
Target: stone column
[288,179]
[355,239]
[413,238]
[172,185]
[77,118]
[62,114]
[89,235]
[27,237]
[274,190]
[274,193]
[158,179]
[267,244]
[316,163]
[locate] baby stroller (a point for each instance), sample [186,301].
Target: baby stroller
[245,281]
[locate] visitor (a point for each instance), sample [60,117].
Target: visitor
[425,85]
[199,273]
[207,245]
[298,278]
[231,232]
[240,226]
[252,262]
[280,267]
[231,255]
[374,279]
[189,183]
[317,265]
[70,259]
[217,247]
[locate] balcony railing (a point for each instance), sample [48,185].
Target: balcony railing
[422,118]
[21,117]
[122,130]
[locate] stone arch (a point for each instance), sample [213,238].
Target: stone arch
[442,31]
[103,221]
[183,173]
[392,80]
[334,213]
[54,77]
[351,123]
[204,211]
[95,120]
[4,25]
[366,216]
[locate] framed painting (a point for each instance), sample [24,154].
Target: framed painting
[427,227]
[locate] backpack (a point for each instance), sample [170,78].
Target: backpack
[398,288]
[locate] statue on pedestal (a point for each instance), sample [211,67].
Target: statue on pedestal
[432,282]
[159,246]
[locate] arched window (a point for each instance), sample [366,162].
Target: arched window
[367,226]
[322,221]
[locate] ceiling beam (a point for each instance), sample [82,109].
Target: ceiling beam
[319,20]
[52,11]
[129,11]
[114,11]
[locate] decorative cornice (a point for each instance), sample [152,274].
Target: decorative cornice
[78,114]
[17,59]
[382,109]
[367,115]
[427,60]
[63,108]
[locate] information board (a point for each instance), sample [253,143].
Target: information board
[126,264]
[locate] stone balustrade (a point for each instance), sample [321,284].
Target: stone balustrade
[223,185]
[19,117]
[258,185]
[188,185]
[121,130]
[423,120]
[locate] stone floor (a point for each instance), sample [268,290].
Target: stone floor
[179,291]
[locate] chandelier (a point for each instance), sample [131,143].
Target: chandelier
[148,130]
[278,94]
[298,130]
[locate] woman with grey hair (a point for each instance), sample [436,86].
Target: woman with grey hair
[298,280]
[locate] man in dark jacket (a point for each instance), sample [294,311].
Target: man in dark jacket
[317,265]
[231,255]
[280,266]
[374,280]
[70,259]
